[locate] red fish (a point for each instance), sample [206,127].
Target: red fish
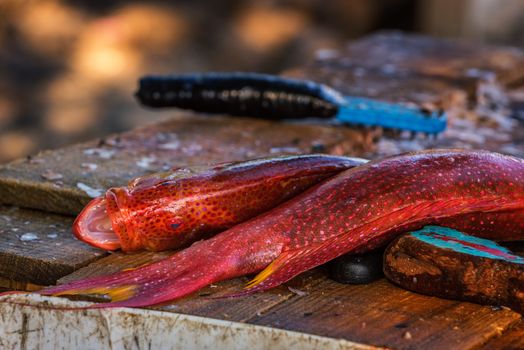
[476,192]
[173,209]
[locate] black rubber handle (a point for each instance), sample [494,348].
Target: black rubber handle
[241,94]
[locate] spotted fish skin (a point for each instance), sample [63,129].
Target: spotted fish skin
[357,210]
[174,209]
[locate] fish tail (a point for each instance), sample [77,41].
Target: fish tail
[156,283]
[126,289]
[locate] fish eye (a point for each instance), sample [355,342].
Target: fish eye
[174,224]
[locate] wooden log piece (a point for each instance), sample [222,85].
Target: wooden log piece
[443,262]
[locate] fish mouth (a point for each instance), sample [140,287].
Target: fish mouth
[94,226]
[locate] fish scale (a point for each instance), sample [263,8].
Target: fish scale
[407,192]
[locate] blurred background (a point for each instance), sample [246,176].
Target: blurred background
[68,69]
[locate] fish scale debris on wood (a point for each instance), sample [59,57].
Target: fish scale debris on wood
[356,211]
[173,209]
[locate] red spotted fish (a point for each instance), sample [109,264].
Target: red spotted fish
[476,192]
[173,209]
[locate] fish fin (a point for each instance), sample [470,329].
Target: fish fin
[287,265]
[276,273]
[138,266]
[277,265]
[159,282]
[119,293]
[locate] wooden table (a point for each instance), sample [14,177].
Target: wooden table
[36,246]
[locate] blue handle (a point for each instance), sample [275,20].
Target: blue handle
[365,111]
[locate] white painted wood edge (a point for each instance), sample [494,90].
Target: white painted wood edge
[32,323]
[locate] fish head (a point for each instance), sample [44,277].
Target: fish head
[134,220]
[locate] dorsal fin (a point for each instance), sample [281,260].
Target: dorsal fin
[291,263]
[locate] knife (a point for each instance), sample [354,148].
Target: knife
[274,97]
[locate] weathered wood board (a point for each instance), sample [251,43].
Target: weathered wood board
[429,72]
[384,315]
[36,323]
[512,339]
[516,99]
[39,248]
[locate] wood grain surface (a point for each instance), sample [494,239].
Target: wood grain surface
[511,339]
[38,248]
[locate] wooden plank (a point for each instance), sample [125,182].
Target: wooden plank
[415,69]
[10,284]
[516,98]
[56,180]
[384,315]
[512,338]
[38,248]
[45,323]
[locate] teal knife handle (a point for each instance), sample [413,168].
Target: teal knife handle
[366,111]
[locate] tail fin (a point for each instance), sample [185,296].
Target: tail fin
[156,283]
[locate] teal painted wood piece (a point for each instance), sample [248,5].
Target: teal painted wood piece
[445,237]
